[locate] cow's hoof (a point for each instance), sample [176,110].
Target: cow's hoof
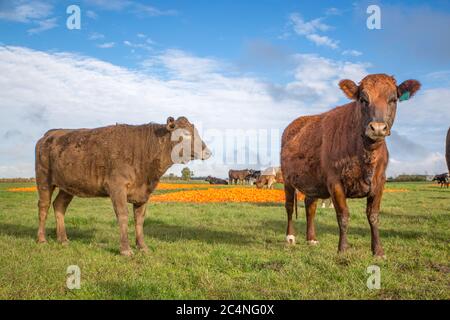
[290,239]
[313,242]
[380,256]
[126,253]
[41,241]
[143,249]
[64,243]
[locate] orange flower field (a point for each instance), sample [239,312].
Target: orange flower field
[205,193]
[237,194]
[28,189]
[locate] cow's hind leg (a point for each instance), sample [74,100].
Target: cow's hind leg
[60,205]
[311,206]
[342,214]
[119,200]
[45,197]
[289,205]
[139,217]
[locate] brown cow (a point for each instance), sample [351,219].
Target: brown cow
[447,150]
[269,177]
[122,162]
[342,153]
[238,176]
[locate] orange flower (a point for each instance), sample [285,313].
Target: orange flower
[27,189]
[235,194]
[395,190]
[174,186]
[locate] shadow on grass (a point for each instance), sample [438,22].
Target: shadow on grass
[174,233]
[280,226]
[124,291]
[24,232]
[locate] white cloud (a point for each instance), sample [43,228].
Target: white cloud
[106,45]
[139,9]
[333,12]
[432,164]
[323,41]
[310,30]
[183,65]
[145,46]
[91,14]
[43,25]
[353,53]
[24,11]
[146,10]
[115,5]
[316,79]
[30,12]
[43,90]
[96,36]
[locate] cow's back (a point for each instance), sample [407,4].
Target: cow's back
[81,161]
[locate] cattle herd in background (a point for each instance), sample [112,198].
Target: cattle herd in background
[262,179]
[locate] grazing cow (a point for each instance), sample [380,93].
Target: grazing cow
[238,176]
[265,180]
[447,150]
[213,180]
[442,179]
[269,177]
[122,162]
[342,154]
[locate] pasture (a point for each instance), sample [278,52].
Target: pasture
[228,250]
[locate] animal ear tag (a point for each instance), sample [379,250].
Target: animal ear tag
[404,96]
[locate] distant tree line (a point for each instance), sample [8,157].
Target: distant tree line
[408,178]
[17,180]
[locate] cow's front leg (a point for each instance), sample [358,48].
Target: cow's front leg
[310,206]
[289,205]
[139,217]
[372,211]
[342,214]
[119,200]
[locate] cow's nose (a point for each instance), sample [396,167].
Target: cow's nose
[377,129]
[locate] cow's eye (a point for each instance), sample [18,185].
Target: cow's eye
[393,101]
[363,100]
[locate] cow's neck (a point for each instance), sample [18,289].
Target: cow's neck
[368,151]
[159,154]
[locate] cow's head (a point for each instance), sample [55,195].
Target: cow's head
[377,96]
[187,144]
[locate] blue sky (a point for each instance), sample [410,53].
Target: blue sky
[230,64]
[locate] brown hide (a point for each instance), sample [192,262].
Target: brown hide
[342,153]
[238,176]
[123,162]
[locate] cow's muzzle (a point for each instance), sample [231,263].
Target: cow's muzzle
[377,130]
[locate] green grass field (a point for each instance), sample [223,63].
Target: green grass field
[228,251]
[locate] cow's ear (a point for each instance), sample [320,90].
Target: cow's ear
[171,125]
[407,89]
[349,88]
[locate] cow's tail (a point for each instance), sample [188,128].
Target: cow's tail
[295,204]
